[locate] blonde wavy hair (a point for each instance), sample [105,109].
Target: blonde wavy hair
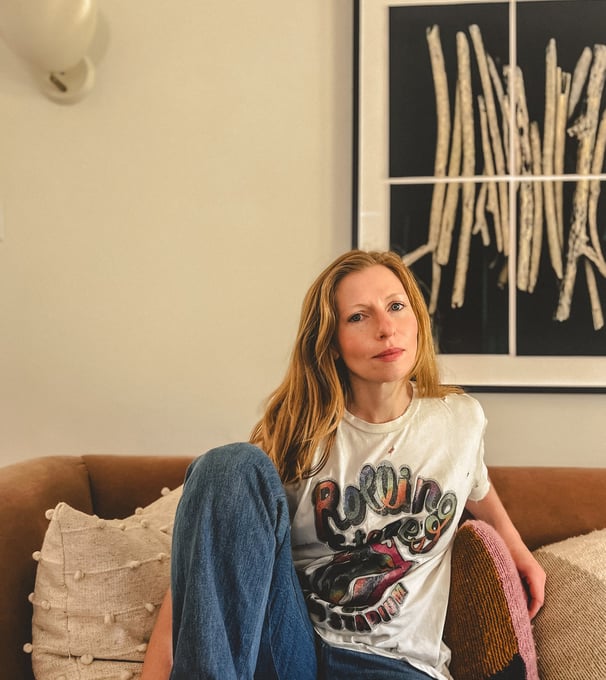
[303,413]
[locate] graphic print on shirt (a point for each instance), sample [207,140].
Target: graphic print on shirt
[363,583]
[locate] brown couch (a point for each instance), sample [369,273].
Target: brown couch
[546,504]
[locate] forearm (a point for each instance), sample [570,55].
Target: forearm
[159,656]
[491,510]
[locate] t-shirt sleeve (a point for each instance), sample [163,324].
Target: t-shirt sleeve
[481,482]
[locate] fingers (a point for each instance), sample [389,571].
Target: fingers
[535,583]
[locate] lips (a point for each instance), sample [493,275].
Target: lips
[359,577]
[390,354]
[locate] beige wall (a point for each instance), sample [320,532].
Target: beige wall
[545,429]
[161,233]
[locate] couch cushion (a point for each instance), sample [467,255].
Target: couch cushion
[99,584]
[570,629]
[487,625]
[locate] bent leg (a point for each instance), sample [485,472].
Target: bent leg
[237,606]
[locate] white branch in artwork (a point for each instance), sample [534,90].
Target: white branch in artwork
[585,129]
[594,297]
[493,127]
[492,199]
[526,226]
[526,231]
[442,100]
[480,225]
[452,193]
[517,88]
[487,196]
[563,95]
[440,81]
[579,76]
[503,276]
[515,162]
[441,254]
[595,187]
[555,246]
[500,96]
[537,232]
[586,250]
[436,279]
[467,168]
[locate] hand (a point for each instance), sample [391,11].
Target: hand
[159,656]
[533,577]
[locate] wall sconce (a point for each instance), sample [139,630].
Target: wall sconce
[53,36]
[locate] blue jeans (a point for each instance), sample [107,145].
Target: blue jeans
[238,609]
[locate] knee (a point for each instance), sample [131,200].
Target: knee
[234,481]
[232,462]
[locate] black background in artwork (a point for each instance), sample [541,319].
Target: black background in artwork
[412,109]
[574,24]
[481,325]
[538,333]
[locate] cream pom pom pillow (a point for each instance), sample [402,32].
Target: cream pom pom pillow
[99,584]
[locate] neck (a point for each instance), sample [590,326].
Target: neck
[380,403]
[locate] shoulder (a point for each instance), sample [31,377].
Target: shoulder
[464,401]
[461,406]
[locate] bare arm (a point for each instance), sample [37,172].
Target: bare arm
[491,510]
[159,656]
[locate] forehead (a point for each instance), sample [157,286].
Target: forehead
[367,285]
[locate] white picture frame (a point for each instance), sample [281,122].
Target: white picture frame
[503,371]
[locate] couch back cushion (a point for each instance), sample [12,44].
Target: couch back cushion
[549,504]
[119,484]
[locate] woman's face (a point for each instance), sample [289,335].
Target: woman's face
[376,327]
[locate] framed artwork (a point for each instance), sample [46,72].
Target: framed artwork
[481,135]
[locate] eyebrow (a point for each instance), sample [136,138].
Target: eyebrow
[391,296]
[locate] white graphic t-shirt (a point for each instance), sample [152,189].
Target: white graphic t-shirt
[372,531]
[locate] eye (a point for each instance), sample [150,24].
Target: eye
[355,318]
[397,306]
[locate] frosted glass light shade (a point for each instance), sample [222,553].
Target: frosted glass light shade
[53,36]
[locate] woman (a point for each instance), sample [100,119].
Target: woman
[329,554]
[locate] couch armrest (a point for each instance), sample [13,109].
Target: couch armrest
[107,485]
[27,490]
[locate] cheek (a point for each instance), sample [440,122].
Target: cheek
[415,338]
[410,328]
[348,343]
[412,334]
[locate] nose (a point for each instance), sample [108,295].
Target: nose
[385,326]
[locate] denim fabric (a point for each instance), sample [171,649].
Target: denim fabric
[238,609]
[344,664]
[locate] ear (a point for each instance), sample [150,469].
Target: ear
[334,354]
